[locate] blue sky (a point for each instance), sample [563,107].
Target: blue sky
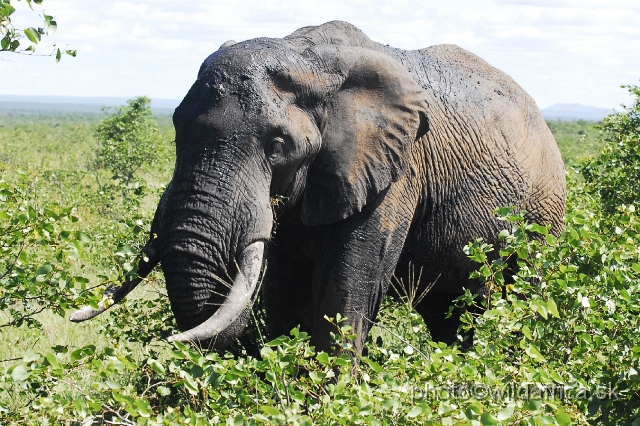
[560,51]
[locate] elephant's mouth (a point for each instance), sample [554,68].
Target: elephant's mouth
[241,291]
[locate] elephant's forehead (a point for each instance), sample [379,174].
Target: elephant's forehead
[225,116]
[234,114]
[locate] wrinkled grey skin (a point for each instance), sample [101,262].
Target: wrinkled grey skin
[376,157]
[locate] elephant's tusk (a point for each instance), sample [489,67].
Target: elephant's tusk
[114,294]
[244,284]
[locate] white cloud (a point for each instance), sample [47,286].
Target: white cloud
[558,50]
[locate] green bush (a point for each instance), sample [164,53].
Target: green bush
[128,140]
[557,343]
[570,318]
[39,252]
[614,175]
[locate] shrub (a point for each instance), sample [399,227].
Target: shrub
[38,253]
[571,317]
[614,175]
[129,139]
[556,345]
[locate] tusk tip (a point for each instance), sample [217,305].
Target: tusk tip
[85,313]
[177,338]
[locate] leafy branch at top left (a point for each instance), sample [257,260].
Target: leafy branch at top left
[14,39]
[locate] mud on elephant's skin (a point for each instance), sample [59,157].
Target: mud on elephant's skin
[380,158]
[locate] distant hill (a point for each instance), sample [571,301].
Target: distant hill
[68,104]
[575,112]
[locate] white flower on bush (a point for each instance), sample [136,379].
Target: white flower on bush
[611,306]
[585,302]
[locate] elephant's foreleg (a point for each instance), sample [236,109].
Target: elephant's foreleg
[352,276]
[286,290]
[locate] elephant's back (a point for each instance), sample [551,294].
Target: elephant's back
[476,97]
[486,133]
[487,146]
[499,116]
[458,77]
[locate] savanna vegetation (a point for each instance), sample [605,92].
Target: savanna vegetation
[557,344]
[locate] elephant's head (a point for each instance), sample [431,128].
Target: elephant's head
[322,121]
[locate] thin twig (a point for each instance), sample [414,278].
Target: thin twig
[286,388]
[13,264]
[11,323]
[123,420]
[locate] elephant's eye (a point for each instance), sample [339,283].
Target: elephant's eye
[275,148]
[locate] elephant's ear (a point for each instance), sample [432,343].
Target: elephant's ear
[370,121]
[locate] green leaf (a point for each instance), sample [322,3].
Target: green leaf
[190,383]
[414,412]
[563,418]
[82,237]
[163,391]
[53,360]
[58,55]
[533,352]
[553,308]
[44,270]
[534,404]
[272,411]
[475,409]
[30,355]
[143,408]
[156,366]
[555,376]
[7,9]
[81,407]
[506,413]
[316,376]
[542,310]
[50,25]
[551,239]
[32,34]
[323,358]
[488,419]
[374,365]
[19,373]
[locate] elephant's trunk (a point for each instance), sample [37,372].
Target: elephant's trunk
[211,234]
[237,302]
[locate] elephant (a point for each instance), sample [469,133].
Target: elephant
[333,163]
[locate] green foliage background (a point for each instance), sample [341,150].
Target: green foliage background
[557,344]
